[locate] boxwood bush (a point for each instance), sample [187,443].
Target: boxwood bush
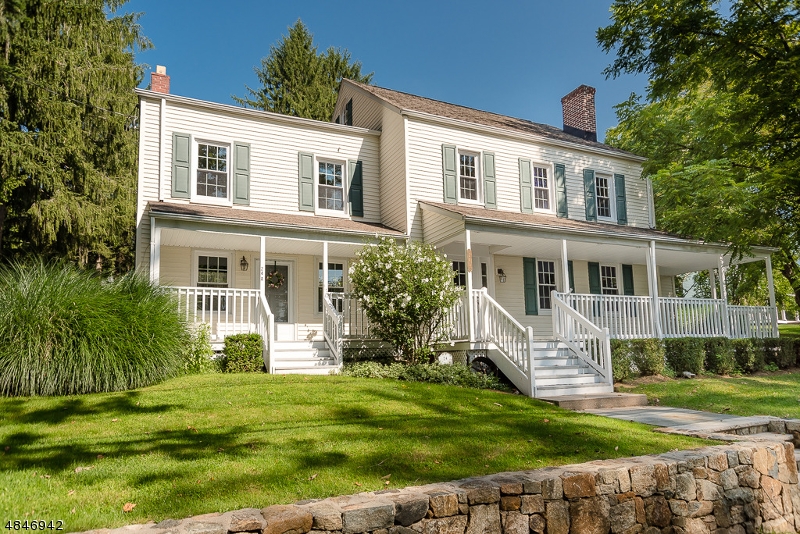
[779,352]
[749,358]
[454,375]
[243,354]
[64,331]
[636,356]
[720,356]
[685,354]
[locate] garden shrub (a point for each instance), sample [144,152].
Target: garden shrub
[647,356]
[749,358]
[198,355]
[685,354]
[779,351]
[243,354]
[720,356]
[621,362]
[454,375]
[64,331]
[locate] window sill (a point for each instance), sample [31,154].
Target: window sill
[332,213]
[470,202]
[211,201]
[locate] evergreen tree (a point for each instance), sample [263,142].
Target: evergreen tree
[68,142]
[296,80]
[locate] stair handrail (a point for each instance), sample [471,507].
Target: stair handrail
[265,326]
[332,328]
[507,334]
[587,340]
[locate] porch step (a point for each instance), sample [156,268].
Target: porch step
[302,357]
[572,379]
[582,389]
[556,370]
[602,400]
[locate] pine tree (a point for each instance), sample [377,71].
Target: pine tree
[68,141]
[296,80]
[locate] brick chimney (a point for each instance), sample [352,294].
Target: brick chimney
[579,113]
[159,81]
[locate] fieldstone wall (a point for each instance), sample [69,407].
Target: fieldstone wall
[730,489]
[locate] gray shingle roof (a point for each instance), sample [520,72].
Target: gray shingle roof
[408,102]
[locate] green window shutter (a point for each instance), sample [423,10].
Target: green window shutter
[622,206]
[348,113]
[561,190]
[525,186]
[181,165]
[489,187]
[306,179]
[531,294]
[449,173]
[571,276]
[590,196]
[594,278]
[241,173]
[627,280]
[356,194]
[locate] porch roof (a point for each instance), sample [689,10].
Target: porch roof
[229,216]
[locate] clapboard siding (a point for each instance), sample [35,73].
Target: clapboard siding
[148,178]
[274,149]
[424,145]
[511,296]
[367,110]
[393,172]
[438,227]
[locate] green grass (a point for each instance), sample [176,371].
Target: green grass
[792,329]
[776,394]
[219,442]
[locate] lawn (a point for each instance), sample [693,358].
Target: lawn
[791,329]
[776,394]
[219,442]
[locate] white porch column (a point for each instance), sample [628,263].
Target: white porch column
[723,294]
[324,268]
[564,267]
[262,264]
[470,305]
[771,288]
[712,280]
[155,251]
[652,282]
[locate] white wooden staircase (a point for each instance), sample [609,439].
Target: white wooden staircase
[559,371]
[302,357]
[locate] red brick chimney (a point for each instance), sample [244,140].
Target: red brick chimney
[159,81]
[579,113]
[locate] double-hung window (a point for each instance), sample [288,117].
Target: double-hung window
[335,285]
[546,275]
[469,177]
[330,186]
[212,171]
[212,272]
[604,192]
[460,273]
[608,280]
[541,188]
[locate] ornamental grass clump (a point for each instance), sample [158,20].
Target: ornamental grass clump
[406,291]
[63,331]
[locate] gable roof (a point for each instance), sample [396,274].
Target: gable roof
[409,102]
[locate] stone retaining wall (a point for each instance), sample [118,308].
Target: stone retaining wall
[730,489]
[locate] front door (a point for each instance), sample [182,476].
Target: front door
[278,291]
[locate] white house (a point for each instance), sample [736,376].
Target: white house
[253,217]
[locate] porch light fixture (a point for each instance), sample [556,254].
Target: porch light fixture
[243,265]
[501,275]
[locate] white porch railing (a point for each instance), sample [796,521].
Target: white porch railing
[228,311]
[457,320]
[681,317]
[752,321]
[495,325]
[333,327]
[586,339]
[626,317]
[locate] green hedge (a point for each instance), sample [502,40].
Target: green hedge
[636,356]
[454,375]
[243,354]
[720,356]
[685,354]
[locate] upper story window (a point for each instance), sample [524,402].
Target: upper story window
[212,171]
[330,186]
[469,183]
[604,190]
[541,189]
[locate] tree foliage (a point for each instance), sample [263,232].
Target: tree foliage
[297,80]
[720,123]
[406,291]
[67,138]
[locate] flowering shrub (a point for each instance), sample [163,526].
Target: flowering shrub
[406,290]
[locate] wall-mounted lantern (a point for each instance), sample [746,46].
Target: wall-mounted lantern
[501,275]
[243,265]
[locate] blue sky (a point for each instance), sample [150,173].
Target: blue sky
[512,57]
